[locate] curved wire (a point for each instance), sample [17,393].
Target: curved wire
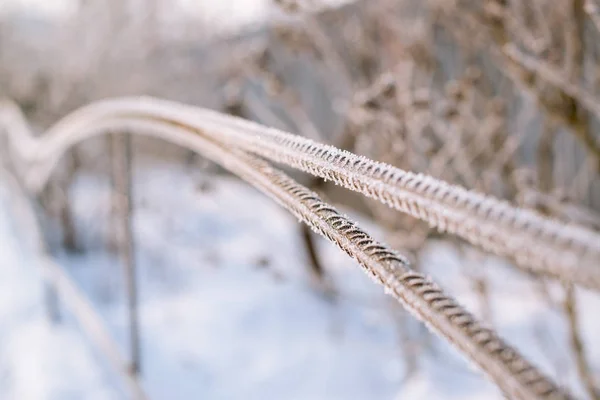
[515,376]
[534,242]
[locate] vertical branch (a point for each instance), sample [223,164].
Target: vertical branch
[121,170]
[66,214]
[583,367]
[51,300]
[58,198]
[545,158]
[311,250]
[570,303]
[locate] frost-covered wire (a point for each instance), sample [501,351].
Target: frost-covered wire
[537,243]
[515,376]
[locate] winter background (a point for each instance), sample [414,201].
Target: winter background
[226,306]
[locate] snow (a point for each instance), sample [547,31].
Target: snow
[47,8]
[227,15]
[38,360]
[228,312]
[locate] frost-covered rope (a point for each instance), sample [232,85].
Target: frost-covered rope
[543,245]
[515,376]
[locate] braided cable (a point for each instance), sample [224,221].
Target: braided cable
[534,242]
[515,376]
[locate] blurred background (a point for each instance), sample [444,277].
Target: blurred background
[235,298]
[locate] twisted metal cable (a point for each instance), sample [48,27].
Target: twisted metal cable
[536,243]
[514,375]
[424,299]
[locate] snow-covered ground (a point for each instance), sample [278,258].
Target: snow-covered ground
[227,311]
[38,360]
